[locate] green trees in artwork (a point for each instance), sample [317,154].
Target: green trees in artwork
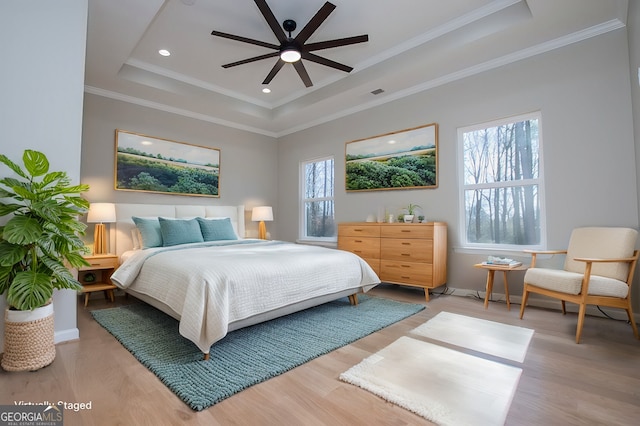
[139,173]
[396,172]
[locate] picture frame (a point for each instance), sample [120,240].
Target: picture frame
[151,164]
[406,159]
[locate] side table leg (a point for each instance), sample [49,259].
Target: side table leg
[506,290]
[489,288]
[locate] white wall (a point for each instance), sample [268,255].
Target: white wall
[42,83]
[583,93]
[248,161]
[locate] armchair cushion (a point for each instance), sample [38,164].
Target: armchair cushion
[571,282]
[604,243]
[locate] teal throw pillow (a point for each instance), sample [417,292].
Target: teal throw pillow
[179,231]
[149,228]
[217,229]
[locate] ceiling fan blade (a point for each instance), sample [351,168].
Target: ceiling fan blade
[256,58]
[271,20]
[245,40]
[277,67]
[336,43]
[302,72]
[324,61]
[315,22]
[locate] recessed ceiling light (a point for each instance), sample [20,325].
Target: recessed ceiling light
[266,90]
[164,52]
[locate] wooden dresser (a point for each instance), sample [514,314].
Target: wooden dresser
[413,254]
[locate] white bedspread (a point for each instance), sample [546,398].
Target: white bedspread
[214,284]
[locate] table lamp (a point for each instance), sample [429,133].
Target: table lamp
[101,213]
[262,214]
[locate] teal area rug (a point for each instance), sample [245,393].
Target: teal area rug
[247,356]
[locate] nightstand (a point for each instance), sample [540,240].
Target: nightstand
[97,276]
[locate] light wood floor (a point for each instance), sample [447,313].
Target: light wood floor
[594,383]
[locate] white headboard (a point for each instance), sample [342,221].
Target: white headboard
[124,224]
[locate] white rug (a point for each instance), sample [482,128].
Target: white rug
[489,337]
[440,384]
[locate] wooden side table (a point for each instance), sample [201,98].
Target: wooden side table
[491,270]
[97,276]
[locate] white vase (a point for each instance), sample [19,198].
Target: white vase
[28,339]
[408,218]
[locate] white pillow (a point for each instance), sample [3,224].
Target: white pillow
[136,238]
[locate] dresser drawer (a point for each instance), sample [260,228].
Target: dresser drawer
[358,230]
[406,272]
[364,247]
[407,231]
[407,250]
[374,263]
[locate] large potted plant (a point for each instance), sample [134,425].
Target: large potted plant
[38,244]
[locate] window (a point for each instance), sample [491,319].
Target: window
[317,210]
[502,189]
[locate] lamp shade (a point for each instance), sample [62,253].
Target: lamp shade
[262,213]
[101,213]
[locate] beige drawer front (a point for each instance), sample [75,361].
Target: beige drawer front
[101,263]
[362,246]
[408,250]
[355,230]
[407,231]
[406,272]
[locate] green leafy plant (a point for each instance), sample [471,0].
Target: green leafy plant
[411,208]
[42,237]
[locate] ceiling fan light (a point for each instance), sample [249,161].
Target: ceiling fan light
[290,55]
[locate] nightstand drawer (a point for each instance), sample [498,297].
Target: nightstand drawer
[101,262]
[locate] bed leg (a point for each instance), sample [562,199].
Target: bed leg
[353,299]
[206,357]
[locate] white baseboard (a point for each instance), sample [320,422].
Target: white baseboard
[66,335]
[544,302]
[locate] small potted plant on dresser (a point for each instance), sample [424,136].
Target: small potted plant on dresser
[38,243]
[411,210]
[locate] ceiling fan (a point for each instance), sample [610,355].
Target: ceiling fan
[291,50]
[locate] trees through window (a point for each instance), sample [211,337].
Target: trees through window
[318,219]
[502,183]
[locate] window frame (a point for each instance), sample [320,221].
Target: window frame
[539,181]
[303,200]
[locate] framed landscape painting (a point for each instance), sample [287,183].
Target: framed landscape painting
[150,164]
[407,159]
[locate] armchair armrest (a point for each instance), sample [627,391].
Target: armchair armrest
[611,260]
[545,251]
[534,253]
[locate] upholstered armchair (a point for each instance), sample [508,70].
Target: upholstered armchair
[598,270]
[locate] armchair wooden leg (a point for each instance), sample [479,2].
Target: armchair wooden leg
[583,310]
[564,308]
[633,322]
[525,295]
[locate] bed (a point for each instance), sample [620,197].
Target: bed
[226,282]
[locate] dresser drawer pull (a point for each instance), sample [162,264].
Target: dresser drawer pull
[405,266]
[406,244]
[357,241]
[406,278]
[357,251]
[358,230]
[405,254]
[405,230]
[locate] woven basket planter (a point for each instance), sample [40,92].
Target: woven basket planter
[28,339]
